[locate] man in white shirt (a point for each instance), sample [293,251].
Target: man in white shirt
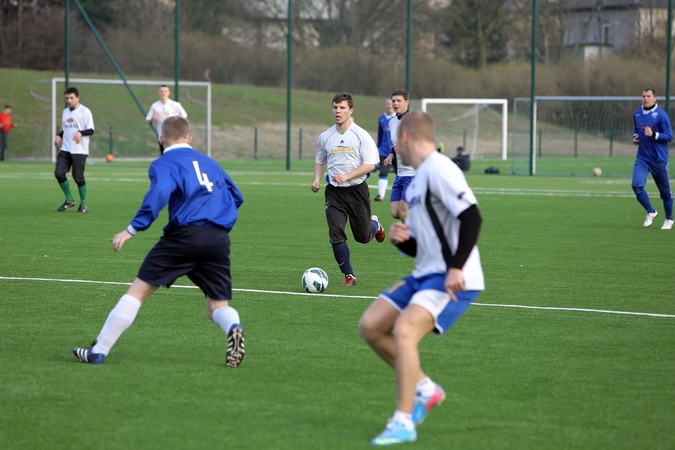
[400,100]
[351,154]
[162,109]
[441,231]
[77,124]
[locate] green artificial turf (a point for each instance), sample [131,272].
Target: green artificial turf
[566,373]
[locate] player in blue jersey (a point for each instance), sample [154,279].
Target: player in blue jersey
[384,147]
[651,133]
[441,231]
[203,204]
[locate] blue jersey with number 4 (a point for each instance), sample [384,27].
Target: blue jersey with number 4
[197,190]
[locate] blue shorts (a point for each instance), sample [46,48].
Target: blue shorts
[429,293]
[399,187]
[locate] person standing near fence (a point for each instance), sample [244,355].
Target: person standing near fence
[652,132]
[163,109]
[5,126]
[77,124]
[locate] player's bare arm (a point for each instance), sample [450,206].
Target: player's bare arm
[388,160]
[398,232]
[454,282]
[78,137]
[57,141]
[358,172]
[318,173]
[119,239]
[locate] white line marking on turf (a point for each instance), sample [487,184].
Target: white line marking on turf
[260,291]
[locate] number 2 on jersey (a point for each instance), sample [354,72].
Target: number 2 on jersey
[202,177]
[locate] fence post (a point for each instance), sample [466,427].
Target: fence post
[300,144]
[539,133]
[110,140]
[464,139]
[611,142]
[576,138]
[255,143]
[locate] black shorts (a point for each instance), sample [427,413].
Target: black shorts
[66,160]
[349,202]
[201,253]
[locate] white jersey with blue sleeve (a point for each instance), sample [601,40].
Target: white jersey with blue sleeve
[197,190]
[437,195]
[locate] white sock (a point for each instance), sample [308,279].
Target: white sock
[225,317]
[120,318]
[382,187]
[426,387]
[404,419]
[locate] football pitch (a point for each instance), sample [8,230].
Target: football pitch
[571,346]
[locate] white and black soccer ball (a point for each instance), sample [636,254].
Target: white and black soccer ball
[314,280]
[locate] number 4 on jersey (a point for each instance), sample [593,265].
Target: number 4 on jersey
[202,177]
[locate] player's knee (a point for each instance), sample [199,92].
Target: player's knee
[80,182]
[638,189]
[60,177]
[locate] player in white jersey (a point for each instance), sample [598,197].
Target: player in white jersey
[400,101]
[351,154]
[163,109]
[441,231]
[77,124]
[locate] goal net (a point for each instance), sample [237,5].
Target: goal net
[573,135]
[121,128]
[478,125]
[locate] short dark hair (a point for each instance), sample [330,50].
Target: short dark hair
[72,90]
[402,92]
[8,106]
[649,89]
[341,97]
[164,85]
[460,149]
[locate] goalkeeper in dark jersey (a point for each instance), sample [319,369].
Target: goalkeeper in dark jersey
[203,204]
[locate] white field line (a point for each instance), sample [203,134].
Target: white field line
[478,190]
[260,291]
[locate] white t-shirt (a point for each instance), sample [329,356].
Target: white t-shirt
[441,183]
[401,169]
[346,152]
[164,110]
[72,121]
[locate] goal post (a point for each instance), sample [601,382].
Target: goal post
[572,135]
[200,121]
[489,128]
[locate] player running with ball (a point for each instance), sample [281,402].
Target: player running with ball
[441,231]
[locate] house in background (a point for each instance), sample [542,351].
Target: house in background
[601,27]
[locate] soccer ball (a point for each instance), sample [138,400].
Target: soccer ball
[314,280]
[597,172]
[110,157]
